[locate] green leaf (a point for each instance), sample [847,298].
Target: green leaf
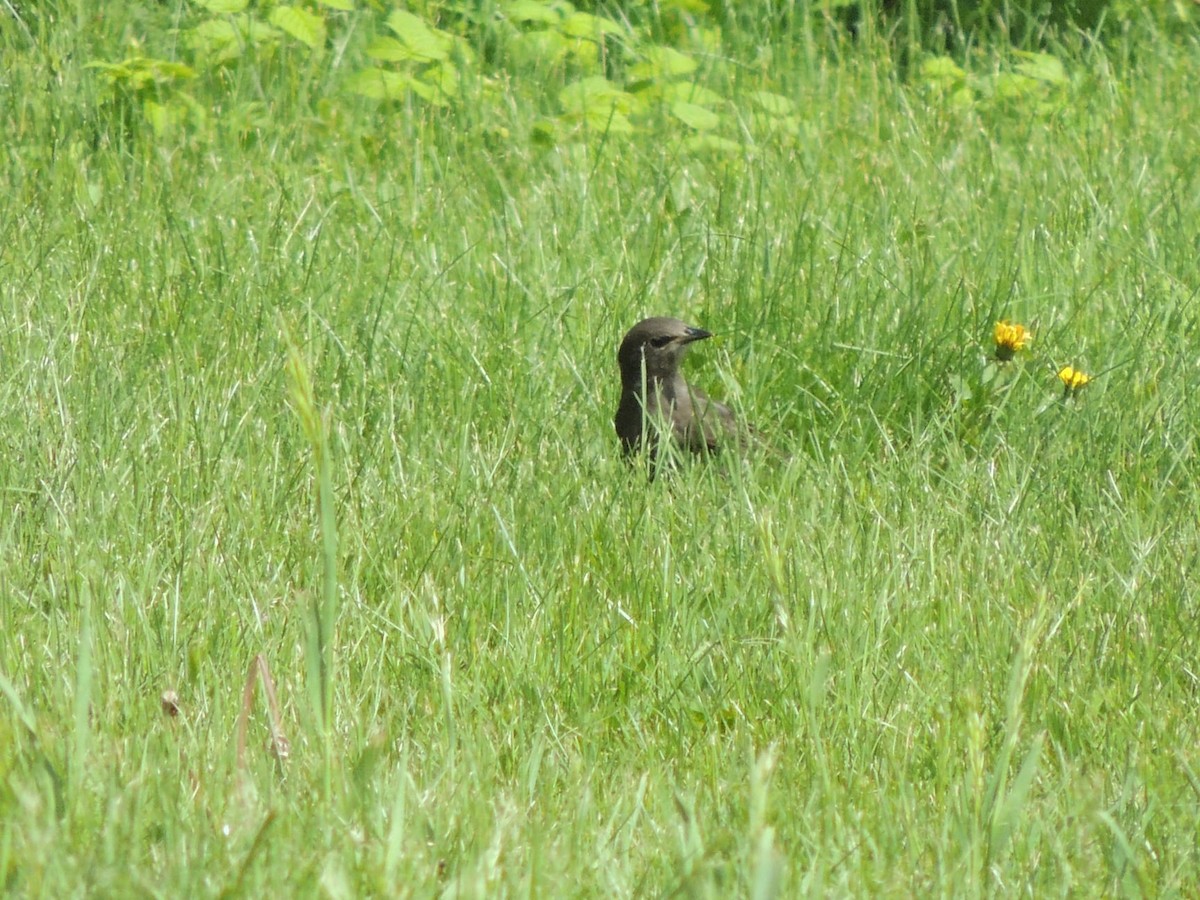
[765,123]
[662,62]
[1042,66]
[425,43]
[547,48]
[427,92]
[695,116]
[138,72]
[222,40]
[532,11]
[162,117]
[460,49]
[306,27]
[344,5]
[224,7]
[596,93]
[444,77]
[196,111]
[379,84]
[775,104]
[941,68]
[544,133]
[113,73]
[583,53]
[608,121]
[689,92]
[217,40]
[790,125]
[963,98]
[257,32]
[388,49]
[166,69]
[1007,86]
[715,143]
[585,25]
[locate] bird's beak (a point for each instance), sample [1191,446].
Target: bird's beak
[696,334]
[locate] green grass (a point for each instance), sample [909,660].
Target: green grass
[943,642]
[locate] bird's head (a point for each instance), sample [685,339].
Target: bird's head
[655,346]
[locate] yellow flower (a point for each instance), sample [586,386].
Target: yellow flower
[1009,339]
[1072,380]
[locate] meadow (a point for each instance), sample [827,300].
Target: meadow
[322,573]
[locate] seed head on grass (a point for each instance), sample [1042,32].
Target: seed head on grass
[1009,339]
[1072,379]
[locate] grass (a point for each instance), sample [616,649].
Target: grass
[943,642]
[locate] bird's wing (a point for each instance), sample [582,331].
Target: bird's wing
[635,424]
[703,423]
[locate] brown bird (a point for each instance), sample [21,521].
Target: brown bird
[656,400]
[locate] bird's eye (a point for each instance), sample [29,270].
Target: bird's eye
[660,341]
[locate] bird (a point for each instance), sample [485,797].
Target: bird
[657,402]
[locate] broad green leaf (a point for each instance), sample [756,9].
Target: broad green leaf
[460,49]
[388,49]
[111,71]
[161,69]
[688,92]
[532,11]
[224,7]
[1042,66]
[708,40]
[425,42]
[196,110]
[140,78]
[165,68]
[941,68]
[596,93]
[139,71]
[226,38]
[695,116]
[584,53]
[547,48]
[662,62]
[544,133]
[775,104]
[444,77]
[585,25]
[427,92]
[344,5]
[306,27]
[1008,86]
[963,98]
[607,121]
[162,117]
[217,40]
[379,84]
[788,124]
[258,32]
[713,142]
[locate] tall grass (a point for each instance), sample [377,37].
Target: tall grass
[942,641]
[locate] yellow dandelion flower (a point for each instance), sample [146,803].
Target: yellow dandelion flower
[1072,379]
[1009,339]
